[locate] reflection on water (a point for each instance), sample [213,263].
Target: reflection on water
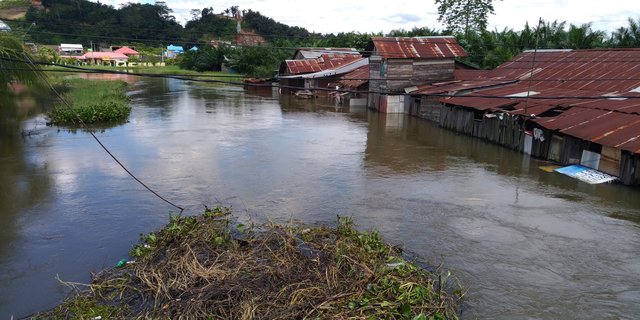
[527,243]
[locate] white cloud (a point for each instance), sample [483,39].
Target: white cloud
[333,16]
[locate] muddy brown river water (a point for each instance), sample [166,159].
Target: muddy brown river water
[527,244]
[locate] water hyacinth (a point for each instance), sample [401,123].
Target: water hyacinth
[208,267]
[91,102]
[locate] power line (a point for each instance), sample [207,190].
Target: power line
[82,124]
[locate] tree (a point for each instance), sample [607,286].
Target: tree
[14,65]
[627,37]
[464,15]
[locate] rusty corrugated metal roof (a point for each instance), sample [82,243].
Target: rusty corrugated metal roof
[470,74]
[574,81]
[356,78]
[479,103]
[314,52]
[609,128]
[626,137]
[532,107]
[456,86]
[417,47]
[601,70]
[324,62]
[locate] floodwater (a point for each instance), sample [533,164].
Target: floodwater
[527,244]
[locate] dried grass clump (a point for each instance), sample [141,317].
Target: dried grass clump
[208,268]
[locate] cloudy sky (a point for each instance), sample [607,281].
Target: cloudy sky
[333,16]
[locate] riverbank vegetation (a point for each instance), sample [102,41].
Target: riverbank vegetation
[14,64]
[91,102]
[170,70]
[208,267]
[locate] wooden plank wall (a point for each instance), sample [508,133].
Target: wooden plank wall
[399,74]
[630,168]
[430,70]
[610,160]
[429,108]
[402,73]
[506,131]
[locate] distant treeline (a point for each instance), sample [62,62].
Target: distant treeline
[81,21]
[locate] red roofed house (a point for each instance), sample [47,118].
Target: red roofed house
[402,62]
[128,52]
[105,58]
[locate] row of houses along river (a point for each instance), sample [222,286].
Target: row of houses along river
[525,242]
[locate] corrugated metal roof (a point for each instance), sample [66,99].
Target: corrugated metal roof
[340,68]
[609,128]
[532,107]
[324,62]
[314,53]
[470,74]
[418,47]
[602,70]
[356,78]
[627,138]
[479,103]
[456,86]
[569,80]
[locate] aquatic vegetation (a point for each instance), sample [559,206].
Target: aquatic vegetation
[208,267]
[91,102]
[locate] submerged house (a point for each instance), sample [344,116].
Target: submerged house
[356,83]
[398,63]
[567,106]
[317,74]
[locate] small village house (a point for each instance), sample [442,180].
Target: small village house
[173,51]
[70,49]
[105,58]
[320,73]
[356,83]
[397,63]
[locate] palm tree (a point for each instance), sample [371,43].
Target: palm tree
[14,63]
[583,37]
[627,37]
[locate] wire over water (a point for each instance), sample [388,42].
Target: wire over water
[83,125]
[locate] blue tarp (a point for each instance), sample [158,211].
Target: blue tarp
[586,174]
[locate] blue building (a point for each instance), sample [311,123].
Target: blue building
[173,51]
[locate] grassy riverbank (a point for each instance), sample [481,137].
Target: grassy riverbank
[207,267]
[91,102]
[171,70]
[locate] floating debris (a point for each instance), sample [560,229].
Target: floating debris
[207,267]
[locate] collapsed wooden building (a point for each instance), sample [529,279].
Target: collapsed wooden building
[318,70]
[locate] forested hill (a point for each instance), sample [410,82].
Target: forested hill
[81,21]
